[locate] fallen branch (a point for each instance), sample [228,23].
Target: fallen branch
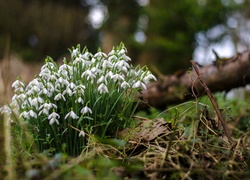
[214,103]
[179,87]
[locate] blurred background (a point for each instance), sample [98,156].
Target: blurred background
[164,34]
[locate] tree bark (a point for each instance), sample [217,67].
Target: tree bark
[231,73]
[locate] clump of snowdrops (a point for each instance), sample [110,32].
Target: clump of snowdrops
[92,94]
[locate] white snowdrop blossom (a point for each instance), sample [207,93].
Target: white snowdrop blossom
[82,133]
[25,115]
[72,115]
[89,74]
[149,77]
[74,53]
[36,102]
[32,113]
[59,96]
[18,86]
[79,100]
[5,109]
[53,118]
[107,64]
[124,85]
[117,77]
[102,79]
[46,107]
[86,110]
[139,84]
[103,89]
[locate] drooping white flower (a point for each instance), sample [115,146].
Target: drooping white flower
[68,91]
[79,100]
[111,52]
[95,70]
[139,84]
[147,79]
[82,133]
[103,89]
[109,75]
[102,79]
[124,85]
[32,113]
[59,96]
[36,102]
[112,58]
[46,107]
[116,77]
[89,74]
[45,73]
[71,114]
[86,110]
[53,118]
[25,115]
[74,53]
[100,55]
[5,109]
[18,86]
[106,64]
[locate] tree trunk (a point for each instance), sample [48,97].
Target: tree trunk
[231,73]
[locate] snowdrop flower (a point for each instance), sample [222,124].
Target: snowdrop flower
[45,92]
[124,85]
[53,118]
[147,79]
[68,91]
[71,114]
[5,109]
[102,79]
[32,113]
[74,53]
[116,77]
[19,97]
[82,133]
[95,70]
[139,84]
[103,89]
[36,89]
[36,101]
[25,115]
[59,96]
[111,52]
[79,100]
[100,55]
[89,74]
[45,73]
[86,110]
[109,74]
[112,58]
[18,86]
[107,64]
[62,81]
[46,107]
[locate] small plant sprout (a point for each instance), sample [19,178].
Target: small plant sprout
[95,94]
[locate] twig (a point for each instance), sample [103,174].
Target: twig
[214,103]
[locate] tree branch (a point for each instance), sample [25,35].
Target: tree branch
[214,103]
[234,72]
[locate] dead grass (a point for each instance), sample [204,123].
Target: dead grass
[11,67]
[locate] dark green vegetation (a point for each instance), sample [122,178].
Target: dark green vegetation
[184,141]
